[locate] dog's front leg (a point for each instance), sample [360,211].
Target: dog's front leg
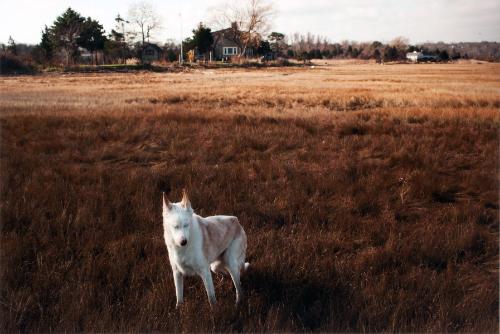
[179,287]
[206,276]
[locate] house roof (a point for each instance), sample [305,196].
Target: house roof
[220,31]
[231,35]
[152,45]
[227,35]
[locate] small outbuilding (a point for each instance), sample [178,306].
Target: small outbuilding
[151,52]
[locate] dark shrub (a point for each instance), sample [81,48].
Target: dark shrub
[10,64]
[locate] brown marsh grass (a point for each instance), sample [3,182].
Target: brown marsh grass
[369,195]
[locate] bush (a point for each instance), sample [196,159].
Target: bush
[283,62]
[10,64]
[132,61]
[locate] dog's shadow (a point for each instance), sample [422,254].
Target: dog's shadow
[307,300]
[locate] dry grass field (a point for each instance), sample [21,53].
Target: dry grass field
[369,195]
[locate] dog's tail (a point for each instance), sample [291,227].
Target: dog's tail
[245,266]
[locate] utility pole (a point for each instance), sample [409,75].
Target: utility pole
[181,56]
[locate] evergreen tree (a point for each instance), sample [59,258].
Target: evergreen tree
[377,55]
[276,41]
[171,55]
[349,51]
[444,55]
[316,54]
[91,36]
[390,53]
[115,46]
[264,48]
[65,32]
[335,51]
[11,46]
[202,39]
[412,48]
[119,33]
[46,44]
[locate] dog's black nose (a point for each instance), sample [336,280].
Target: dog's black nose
[184,242]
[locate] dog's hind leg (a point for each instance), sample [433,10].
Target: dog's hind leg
[234,258]
[234,271]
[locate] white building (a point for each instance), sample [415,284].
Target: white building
[414,56]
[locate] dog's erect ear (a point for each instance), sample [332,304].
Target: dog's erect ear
[185,203]
[166,204]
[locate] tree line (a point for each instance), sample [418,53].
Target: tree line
[248,21]
[311,46]
[71,34]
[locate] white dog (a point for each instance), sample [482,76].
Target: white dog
[196,245]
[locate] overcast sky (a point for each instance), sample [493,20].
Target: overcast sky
[359,20]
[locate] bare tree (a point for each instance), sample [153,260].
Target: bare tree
[249,20]
[400,44]
[145,17]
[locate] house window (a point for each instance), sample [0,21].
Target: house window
[229,51]
[149,52]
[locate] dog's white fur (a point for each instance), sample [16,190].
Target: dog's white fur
[196,245]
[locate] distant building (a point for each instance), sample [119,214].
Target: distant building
[226,43]
[414,56]
[151,52]
[88,57]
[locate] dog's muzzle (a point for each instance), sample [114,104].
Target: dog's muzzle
[184,242]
